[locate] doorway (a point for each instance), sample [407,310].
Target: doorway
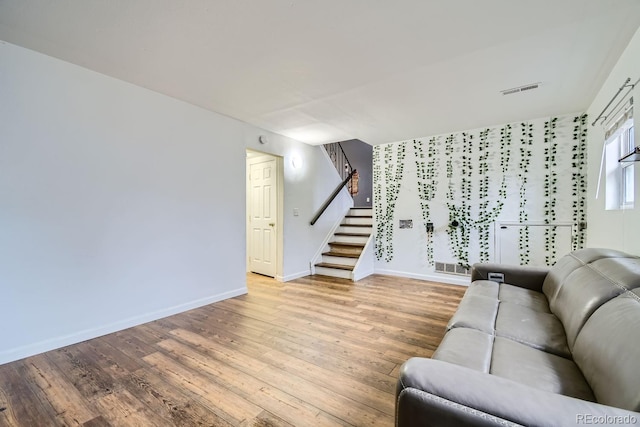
[264,214]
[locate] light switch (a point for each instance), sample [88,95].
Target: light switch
[296,212]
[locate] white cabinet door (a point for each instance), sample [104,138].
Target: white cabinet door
[509,235]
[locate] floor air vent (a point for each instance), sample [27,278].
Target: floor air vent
[444,267]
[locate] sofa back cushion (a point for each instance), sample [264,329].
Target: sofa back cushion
[571,262]
[607,352]
[584,280]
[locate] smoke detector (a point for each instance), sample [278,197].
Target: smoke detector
[523,88]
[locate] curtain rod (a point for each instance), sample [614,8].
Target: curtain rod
[624,85]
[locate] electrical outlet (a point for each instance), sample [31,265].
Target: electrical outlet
[406,223]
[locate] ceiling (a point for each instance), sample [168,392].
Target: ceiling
[330,70]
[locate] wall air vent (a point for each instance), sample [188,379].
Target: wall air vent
[529,86]
[443,267]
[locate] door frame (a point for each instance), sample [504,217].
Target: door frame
[254,154]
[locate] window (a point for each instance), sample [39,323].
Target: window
[620,190]
[627,188]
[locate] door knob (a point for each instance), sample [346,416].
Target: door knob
[271,224]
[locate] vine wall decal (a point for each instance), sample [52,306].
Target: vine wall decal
[460,218]
[526,143]
[465,183]
[550,189]
[378,202]
[427,164]
[386,192]
[579,180]
[459,226]
[487,215]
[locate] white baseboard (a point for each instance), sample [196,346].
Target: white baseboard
[433,277]
[362,274]
[293,276]
[14,354]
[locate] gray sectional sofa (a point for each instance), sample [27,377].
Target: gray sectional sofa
[547,347]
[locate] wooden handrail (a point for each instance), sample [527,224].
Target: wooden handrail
[333,196]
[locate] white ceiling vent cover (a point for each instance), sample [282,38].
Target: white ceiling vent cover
[529,86]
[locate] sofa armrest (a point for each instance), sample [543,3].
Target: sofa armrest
[436,393]
[517,275]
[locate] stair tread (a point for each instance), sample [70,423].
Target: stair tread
[356,225]
[353,234]
[358,216]
[355,245]
[361,207]
[341,254]
[336,266]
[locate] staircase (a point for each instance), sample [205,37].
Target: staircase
[344,250]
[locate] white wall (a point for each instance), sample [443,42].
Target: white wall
[119,205]
[616,229]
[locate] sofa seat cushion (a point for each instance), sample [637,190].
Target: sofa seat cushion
[466,347]
[538,369]
[479,307]
[509,359]
[536,329]
[483,288]
[475,312]
[525,297]
[516,313]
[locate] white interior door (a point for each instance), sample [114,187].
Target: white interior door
[263,210]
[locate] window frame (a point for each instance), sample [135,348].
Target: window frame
[620,143]
[627,145]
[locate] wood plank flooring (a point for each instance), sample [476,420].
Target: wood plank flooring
[316,351]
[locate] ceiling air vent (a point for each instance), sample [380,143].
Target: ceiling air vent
[529,86]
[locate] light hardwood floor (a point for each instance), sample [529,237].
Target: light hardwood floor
[316,351]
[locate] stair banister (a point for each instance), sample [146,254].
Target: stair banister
[331,197]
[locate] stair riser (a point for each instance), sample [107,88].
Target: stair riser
[339,260]
[347,229]
[344,274]
[350,239]
[357,220]
[361,212]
